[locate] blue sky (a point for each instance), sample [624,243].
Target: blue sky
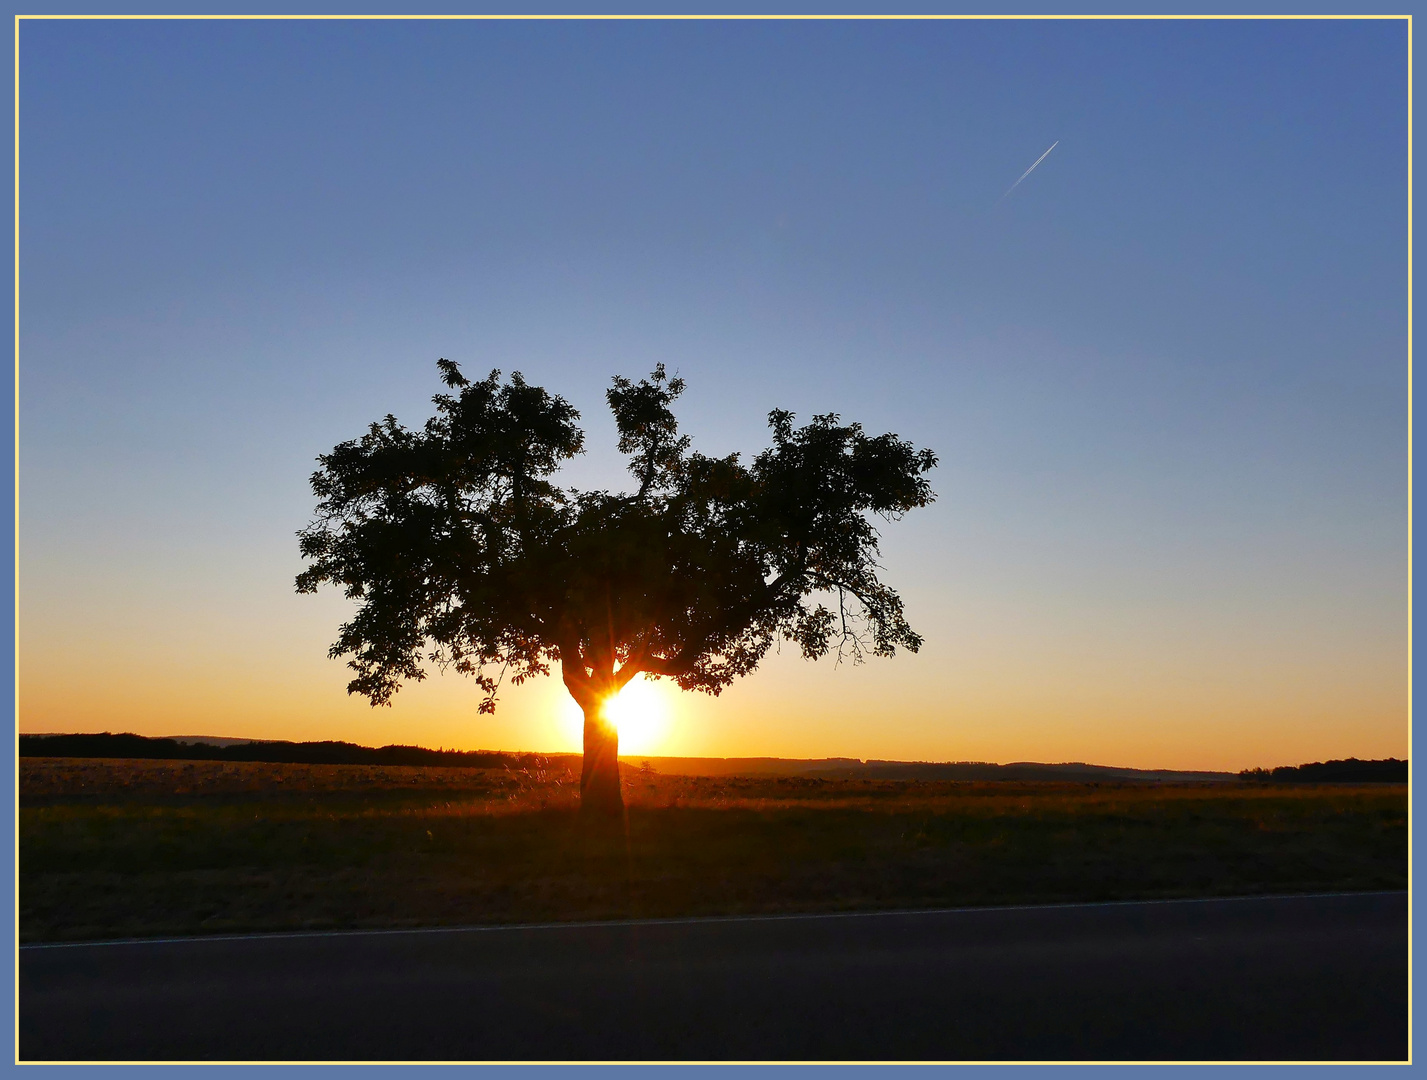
[1167,375]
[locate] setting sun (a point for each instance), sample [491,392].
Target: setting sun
[640,712]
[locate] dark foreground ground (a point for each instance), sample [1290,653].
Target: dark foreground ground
[1298,978]
[112,848]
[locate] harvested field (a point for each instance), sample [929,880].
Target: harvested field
[116,848]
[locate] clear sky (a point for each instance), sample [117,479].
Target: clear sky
[1166,376]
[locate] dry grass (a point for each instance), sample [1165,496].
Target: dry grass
[115,848]
[66,779]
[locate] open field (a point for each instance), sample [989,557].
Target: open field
[114,848]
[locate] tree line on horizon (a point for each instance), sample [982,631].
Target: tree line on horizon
[279,751]
[333,752]
[1344,770]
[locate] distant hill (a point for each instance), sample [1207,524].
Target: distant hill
[222,748]
[1347,770]
[855,768]
[207,748]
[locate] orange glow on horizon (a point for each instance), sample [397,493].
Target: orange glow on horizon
[1127,700]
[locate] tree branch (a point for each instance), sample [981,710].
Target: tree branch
[574,667]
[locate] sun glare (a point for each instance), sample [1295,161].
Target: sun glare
[641,714]
[640,711]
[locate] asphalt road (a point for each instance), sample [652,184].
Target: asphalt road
[1303,978]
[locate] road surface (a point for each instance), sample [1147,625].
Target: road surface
[1321,977]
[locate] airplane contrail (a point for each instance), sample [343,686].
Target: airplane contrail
[1029,171]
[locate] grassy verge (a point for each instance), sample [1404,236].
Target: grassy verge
[133,848]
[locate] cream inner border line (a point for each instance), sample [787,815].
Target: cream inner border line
[690,18]
[1410,1013]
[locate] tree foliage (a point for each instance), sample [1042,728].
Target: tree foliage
[461,551]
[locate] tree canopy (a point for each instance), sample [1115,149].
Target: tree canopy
[462,552]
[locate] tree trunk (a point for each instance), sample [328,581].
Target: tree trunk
[599,773]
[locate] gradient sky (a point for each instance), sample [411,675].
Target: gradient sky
[1166,376]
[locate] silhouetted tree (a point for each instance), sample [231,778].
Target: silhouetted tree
[462,552]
